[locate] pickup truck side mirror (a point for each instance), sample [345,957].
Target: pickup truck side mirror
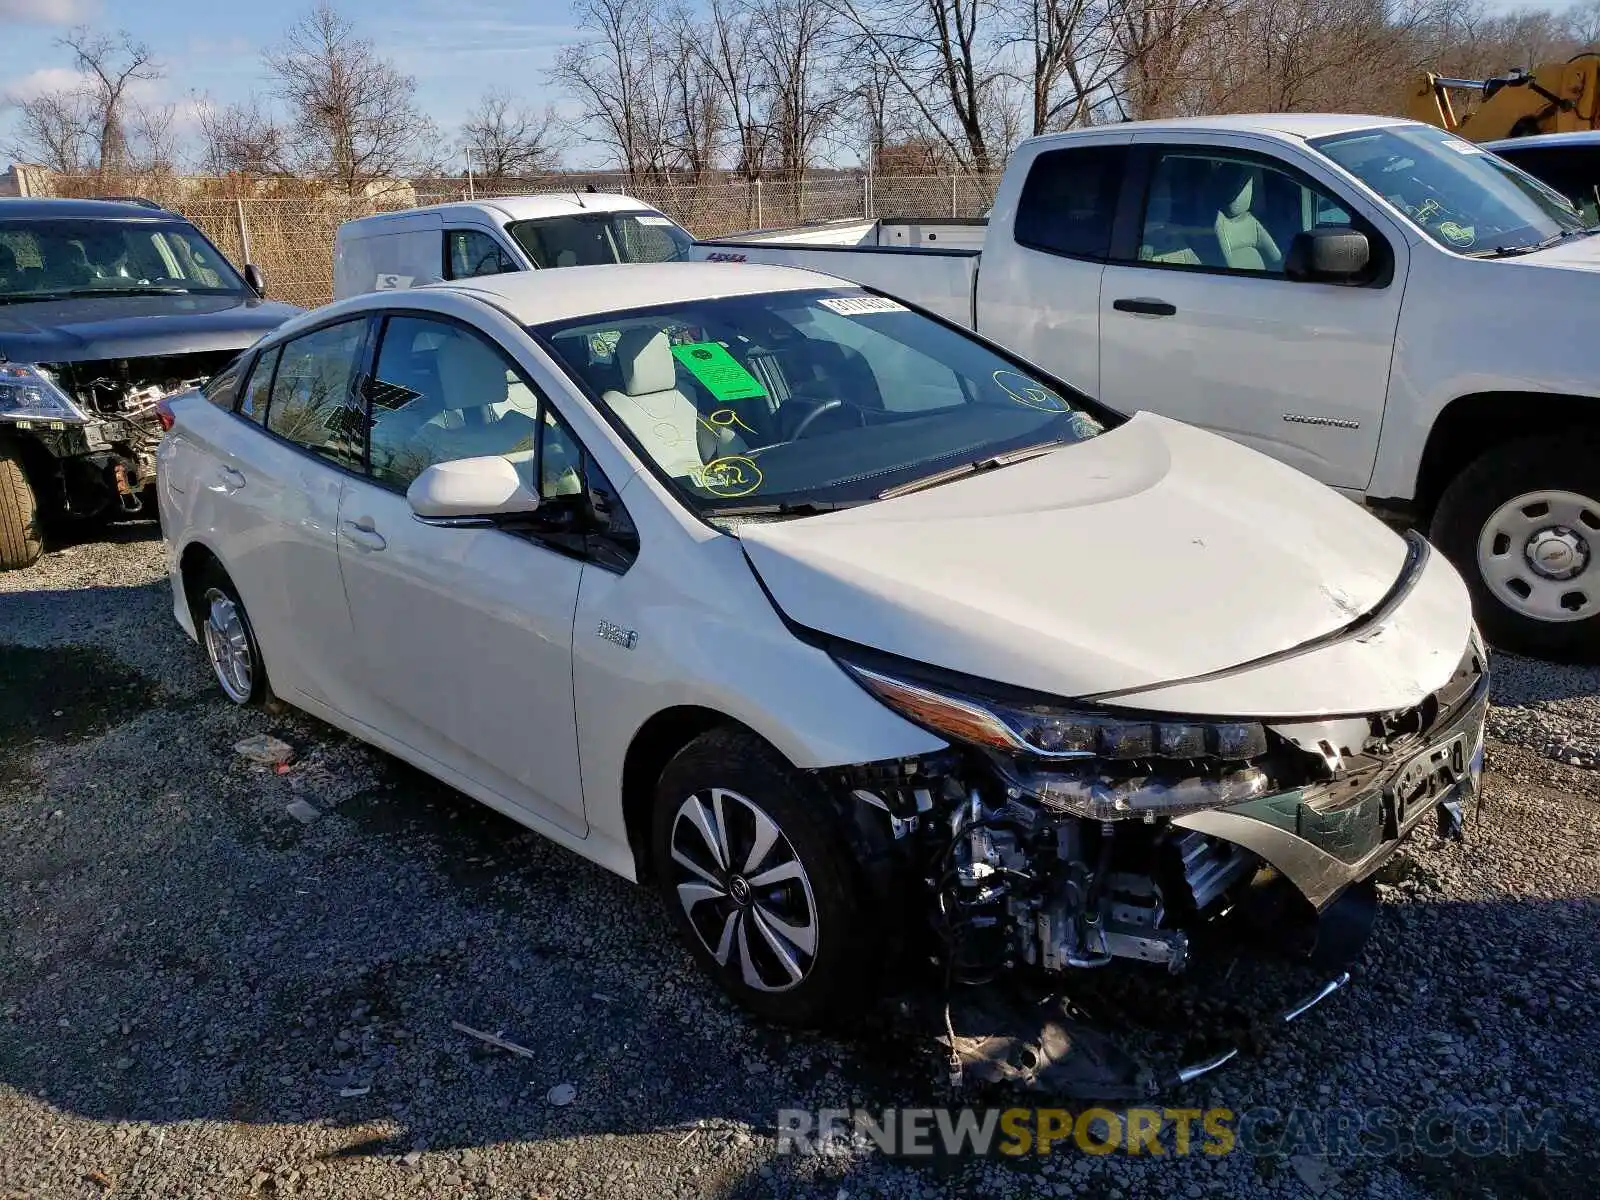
[256,280]
[1327,255]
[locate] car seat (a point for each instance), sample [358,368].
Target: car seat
[1246,244]
[1164,238]
[663,419]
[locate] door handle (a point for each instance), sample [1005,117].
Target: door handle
[1145,307]
[362,533]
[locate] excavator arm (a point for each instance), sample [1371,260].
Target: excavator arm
[1553,98]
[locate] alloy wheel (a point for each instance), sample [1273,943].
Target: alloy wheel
[228,645]
[744,889]
[1537,554]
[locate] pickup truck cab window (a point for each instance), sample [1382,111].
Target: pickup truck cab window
[1467,200]
[1227,212]
[1069,201]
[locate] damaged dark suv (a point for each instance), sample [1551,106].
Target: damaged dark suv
[106,308]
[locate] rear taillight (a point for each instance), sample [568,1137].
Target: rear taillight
[165,414]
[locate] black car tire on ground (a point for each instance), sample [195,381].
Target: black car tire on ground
[810,911]
[21,540]
[1519,502]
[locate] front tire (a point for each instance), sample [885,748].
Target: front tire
[228,638]
[760,883]
[21,538]
[1523,525]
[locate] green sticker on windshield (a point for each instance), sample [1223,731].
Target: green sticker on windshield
[721,373]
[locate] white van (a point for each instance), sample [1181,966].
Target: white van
[506,233]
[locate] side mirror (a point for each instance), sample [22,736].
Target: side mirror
[1328,255]
[470,490]
[256,280]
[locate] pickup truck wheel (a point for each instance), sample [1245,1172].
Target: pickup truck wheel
[21,538]
[1523,524]
[759,882]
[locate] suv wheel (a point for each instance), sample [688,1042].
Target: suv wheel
[1523,524]
[759,881]
[21,540]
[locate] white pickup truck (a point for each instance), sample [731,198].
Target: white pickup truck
[1386,306]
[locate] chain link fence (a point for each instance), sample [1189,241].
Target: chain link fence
[291,237]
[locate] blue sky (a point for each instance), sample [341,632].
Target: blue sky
[454,48]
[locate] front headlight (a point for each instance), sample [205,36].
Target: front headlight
[29,393]
[1097,764]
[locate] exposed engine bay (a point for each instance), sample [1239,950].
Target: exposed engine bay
[1134,850]
[107,461]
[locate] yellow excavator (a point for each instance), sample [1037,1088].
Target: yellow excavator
[1559,97]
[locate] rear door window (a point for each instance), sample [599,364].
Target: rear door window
[1069,200]
[313,403]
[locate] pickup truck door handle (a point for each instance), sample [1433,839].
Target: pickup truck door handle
[1145,307]
[362,533]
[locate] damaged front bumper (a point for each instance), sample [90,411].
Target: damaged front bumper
[1326,837]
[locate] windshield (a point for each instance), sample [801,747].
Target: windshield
[47,259]
[1463,197]
[805,400]
[586,239]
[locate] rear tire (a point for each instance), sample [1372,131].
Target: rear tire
[21,538]
[228,638]
[1522,523]
[761,885]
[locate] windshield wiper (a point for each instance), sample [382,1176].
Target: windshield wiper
[970,468]
[140,290]
[798,508]
[1545,244]
[30,297]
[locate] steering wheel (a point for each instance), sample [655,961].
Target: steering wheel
[810,419]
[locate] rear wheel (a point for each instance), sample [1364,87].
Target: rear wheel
[1523,524]
[759,881]
[229,641]
[21,539]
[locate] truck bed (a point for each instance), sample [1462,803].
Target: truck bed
[932,263]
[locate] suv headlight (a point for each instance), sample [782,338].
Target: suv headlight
[30,393]
[1097,764]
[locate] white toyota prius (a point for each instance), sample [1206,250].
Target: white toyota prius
[847,629]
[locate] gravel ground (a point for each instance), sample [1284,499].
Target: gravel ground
[204,995]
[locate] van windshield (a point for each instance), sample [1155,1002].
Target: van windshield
[74,256]
[589,239]
[1463,197]
[787,403]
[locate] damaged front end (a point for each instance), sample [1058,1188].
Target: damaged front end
[1062,837]
[91,428]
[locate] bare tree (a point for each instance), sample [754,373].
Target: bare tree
[352,115]
[506,140]
[944,57]
[697,119]
[615,76]
[241,139]
[55,130]
[86,128]
[111,67]
[792,43]
[1065,57]
[729,55]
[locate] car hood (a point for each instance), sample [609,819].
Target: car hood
[1140,559]
[1573,254]
[99,327]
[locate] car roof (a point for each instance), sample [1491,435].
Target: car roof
[518,208]
[34,208]
[1298,125]
[565,293]
[1581,137]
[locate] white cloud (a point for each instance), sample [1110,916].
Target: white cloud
[49,12]
[45,79]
